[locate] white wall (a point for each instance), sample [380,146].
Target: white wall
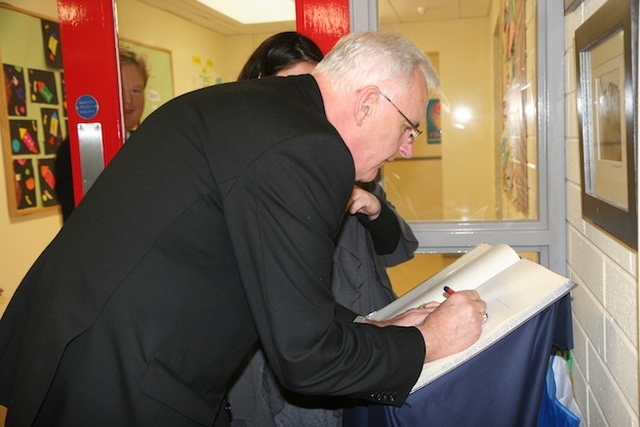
[605,303]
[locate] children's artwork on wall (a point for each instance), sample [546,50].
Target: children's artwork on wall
[201,74]
[51,43]
[513,146]
[15,89]
[25,183]
[64,96]
[33,118]
[47,182]
[42,87]
[24,136]
[51,128]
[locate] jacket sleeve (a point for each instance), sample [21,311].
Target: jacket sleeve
[283,212]
[393,238]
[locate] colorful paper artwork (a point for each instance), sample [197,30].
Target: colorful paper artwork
[15,89]
[513,146]
[47,181]
[24,137]
[51,43]
[434,126]
[51,128]
[25,183]
[64,96]
[42,87]
[37,120]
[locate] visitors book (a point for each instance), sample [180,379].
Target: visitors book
[514,289]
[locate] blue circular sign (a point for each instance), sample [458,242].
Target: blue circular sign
[87,107]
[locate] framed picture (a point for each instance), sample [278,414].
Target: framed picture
[32,109]
[606,63]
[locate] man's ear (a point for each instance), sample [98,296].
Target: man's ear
[366,103]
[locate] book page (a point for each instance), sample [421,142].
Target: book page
[468,272]
[513,296]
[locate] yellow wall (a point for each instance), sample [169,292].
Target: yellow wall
[22,239]
[468,165]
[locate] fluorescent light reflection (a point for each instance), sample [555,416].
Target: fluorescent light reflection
[254,11]
[461,116]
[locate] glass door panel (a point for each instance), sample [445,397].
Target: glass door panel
[478,159]
[490,165]
[410,274]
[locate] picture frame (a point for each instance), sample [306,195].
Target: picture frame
[607,93]
[33,116]
[571,5]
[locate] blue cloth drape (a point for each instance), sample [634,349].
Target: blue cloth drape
[501,387]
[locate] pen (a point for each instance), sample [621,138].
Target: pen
[450,291]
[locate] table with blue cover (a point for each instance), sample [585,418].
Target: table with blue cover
[500,387]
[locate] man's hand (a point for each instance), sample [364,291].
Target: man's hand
[447,327]
[363,202]
[454,325]
[412,317]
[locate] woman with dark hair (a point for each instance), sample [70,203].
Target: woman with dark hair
[371,238]
[281,54]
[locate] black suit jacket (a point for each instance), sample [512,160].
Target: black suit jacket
[210,229]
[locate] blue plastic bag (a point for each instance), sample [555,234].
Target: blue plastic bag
[558,407]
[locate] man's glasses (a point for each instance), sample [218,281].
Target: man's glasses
[415,132]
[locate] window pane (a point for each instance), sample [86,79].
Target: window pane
[410,274]
[477,159]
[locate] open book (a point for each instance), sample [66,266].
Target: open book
[514,289]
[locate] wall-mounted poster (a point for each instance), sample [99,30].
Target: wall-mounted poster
[32,109]
[47,182]
[606,58]
[25,183]
[43,87]
[51,129]
[24,137]
[434,126]
[15,89]
[51,43]
[513,145]
[64,96]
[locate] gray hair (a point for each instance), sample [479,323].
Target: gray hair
[369,58]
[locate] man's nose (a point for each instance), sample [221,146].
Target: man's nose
[406,150]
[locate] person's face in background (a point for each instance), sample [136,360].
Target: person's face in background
[132,95]
[297,69]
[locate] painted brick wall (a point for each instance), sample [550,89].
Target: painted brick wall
[605,303]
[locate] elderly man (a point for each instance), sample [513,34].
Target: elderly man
[211,229]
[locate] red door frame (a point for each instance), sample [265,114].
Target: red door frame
[92,72]
[92,86]
[324,21]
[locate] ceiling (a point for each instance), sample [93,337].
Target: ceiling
[390,12]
